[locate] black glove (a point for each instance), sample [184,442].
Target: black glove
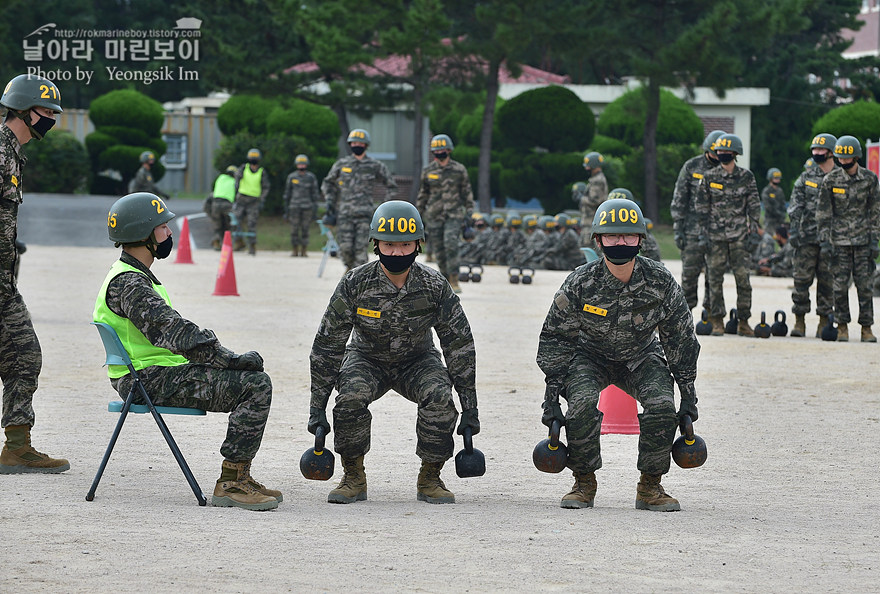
[250,361]
[688,402]
[875,249]
[318,418]
[680,241]
[469,418]
[467,232]
[552,412]
[330,217]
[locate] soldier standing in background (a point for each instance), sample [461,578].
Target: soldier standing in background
[686,224]
[729,208]
[849,224]
[447,201]
[251,188]
[33,102]
[388,308]
[566,253]
[810,260]
[301,198]
[143,179]
[773,200]
[348,190]
[596,192]
[219,204]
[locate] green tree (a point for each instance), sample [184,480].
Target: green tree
[624,119]
[552,118]
[59,164]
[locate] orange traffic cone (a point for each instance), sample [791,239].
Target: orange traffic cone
[226,271]
[621,412]
[184,250]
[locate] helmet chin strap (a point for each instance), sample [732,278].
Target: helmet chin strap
[150,243]
[25,116]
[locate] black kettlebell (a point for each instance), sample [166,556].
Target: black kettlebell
[317,463]
[829,332]
[762,329]
[527,276]
[689,450]
[551,455]
[476,276]
[514,276]
[730,327]
[470,461]
[779,327]
[464,277]
[704,327]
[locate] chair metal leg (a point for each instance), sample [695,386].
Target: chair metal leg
[90,496]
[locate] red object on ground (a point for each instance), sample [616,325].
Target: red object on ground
[226,271]
[621,412]
[184,248]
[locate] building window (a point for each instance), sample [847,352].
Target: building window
[175,156]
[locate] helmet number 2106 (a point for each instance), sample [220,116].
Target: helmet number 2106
[403,225]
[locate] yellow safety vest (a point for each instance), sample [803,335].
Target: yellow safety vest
[250,184]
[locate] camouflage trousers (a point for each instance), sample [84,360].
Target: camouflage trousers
[737,255]
[20,361]
[650,384]
[300,220]
[353,235]
[424,381]
[219,216]
[247,211]
[810,263]
[855,260]
[245,395]
[693,264]
[443,237]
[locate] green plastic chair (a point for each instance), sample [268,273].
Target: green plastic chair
[117,355]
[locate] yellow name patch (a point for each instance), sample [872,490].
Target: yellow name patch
[772,195]
[369,313]
[839,190]
[433,176]
[811,184]
[294,181]
[697,175]
[346,170]
[14,181]
[595,310]
[716,186]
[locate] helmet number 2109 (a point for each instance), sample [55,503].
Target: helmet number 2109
[621,215]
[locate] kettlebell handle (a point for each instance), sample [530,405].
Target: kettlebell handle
[468,440]
[777,315]
[320,436]
[687,428]
[555,429]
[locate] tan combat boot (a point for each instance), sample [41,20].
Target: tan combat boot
[302,251]
[867,335]
[717,326]
[430,487]
[294,252]
[252,249]
[238,245]
[216,245]
[823,321]
[743,329]
[18,457]
[582,493]
[800,326]
[842,333]
[234,488]
[651,496]
[262,488]
[453,281]
[353,486]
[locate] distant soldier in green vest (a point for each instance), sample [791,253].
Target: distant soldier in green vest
[251,189]
[179,363]
[219,204]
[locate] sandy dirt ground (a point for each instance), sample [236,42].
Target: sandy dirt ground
[786,502]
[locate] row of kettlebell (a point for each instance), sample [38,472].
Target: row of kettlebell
[762,329]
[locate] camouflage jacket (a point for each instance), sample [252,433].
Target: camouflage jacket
[445,192]
[532,252]
[766,248]
[349,186]
[595,315]
[567,246]
[773,202]
[499,245]
[131,295]
[683,208]
[597,192]
[477,251]
[301,191]
[11,163]
[577,195]
[727,204]
[804,203]
[781,263]
[143,182]
[392,326]
[849,207]
[650,247]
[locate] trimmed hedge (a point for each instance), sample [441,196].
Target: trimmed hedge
[58,164]
[624,120]
[552,118]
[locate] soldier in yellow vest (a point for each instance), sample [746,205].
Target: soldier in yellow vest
[219,203]
[251,189]
[179,363]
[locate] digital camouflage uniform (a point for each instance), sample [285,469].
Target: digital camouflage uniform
[531,252]
[445,201]
[204,382]
[687,228]
[810,260]
[247,207]
[729,208]
[849,217]
[597,192]
[392,348]
[600,331]
[773,203]
[565,253]
[143,182]
[20,356]
[477,250]
[301,199]
[650,248]
[500,246]
[780,263]
[349,189]
[766,248]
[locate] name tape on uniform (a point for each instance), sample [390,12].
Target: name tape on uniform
[839,190]
[811,184]
[433,176]
[697,175]
[716,186]
[595,310]
[369,313]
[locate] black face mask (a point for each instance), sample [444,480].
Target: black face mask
[358,150]
[163,250]
[820,158]
[726,157]
[711,159]
[42,125]
[440,156]
[620,254]
[254,161]
[846,167]
[397,264]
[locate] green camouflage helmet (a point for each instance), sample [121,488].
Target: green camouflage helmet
[546,222]
[619,216]
[231,170]
[132,218]
[498,220]
[579,188]
[709,141]
[620,193]
[825,141]
[29,90]
[729,142]
[397,220]
[593,160]
[359,135]
[254,154]
[530,221]
[477,217]
[301,159]
[562,220]
[847,147]
[514,221]
[774,173]
[441,142]
[147,156]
